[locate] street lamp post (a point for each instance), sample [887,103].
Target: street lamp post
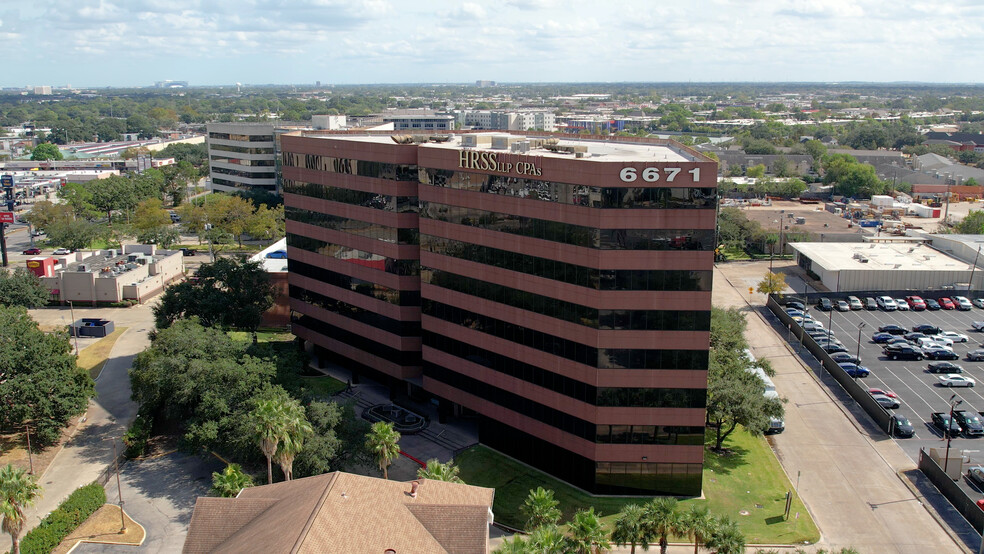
[858,355]
[949,430]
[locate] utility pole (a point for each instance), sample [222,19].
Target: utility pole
[119,488]
[970,285]
[75,329]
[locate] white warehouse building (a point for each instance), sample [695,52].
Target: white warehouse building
[884,266]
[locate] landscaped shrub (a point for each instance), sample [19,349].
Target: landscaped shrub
[135,438]
[66,518]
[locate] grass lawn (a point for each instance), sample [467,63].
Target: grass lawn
[262,335]
[749,477]
[94,357]
[323,386]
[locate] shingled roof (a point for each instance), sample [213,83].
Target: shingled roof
[342,512]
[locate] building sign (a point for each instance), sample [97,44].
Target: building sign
[6,217]
[489,161]
[653,174]
[7,181]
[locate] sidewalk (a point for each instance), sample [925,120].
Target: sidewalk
[847,476]
[90,452]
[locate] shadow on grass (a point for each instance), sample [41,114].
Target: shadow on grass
[725,461]
[774,520]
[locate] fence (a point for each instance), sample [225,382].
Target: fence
[964,504]
[849,384]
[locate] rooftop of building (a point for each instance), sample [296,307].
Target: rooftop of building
[114,262]
[879,256]
[596,149]
[342,512]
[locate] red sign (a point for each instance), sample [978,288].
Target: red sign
[6,217]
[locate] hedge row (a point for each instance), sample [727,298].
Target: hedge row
[66,518]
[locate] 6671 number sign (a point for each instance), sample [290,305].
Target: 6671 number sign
[652,174]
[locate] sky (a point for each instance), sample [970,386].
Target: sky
[92,43]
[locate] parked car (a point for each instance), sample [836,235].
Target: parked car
[886,303]
[893,329]
[840,357]
[975,355]
[976,476]
[62,251]
[277,254]
[189,251]
[886,401]
[927,329]
[879,338]
[903,306]
[916,303]
[833,348]
[870,304]
[944,367]
[903,352]
[37,233]
[855,303]
[978,325]
[796,304]
[963,303]
[794,312]
[945,424]
[970,421]
[937,352]
[843,306]
[888,393]
[936,339]
[914,336]
[955,381]
[855,370]
[825,304]
[932,305]
[812,325]
[953,336]
[978,302]
[899,340]
[947,304]
[901,426]
[32,251]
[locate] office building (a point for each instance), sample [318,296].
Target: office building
[557,290]
[242,156]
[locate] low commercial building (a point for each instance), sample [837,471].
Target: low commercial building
[883,266]
[273,259]
[138,272]
[342,512]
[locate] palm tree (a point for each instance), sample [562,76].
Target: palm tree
[268,424]
[698,524]
[230,481]
[17,491]
[540,508]
[587,533]
[727,538]
[516,545]
[439,472]
[382,441]
[660,520]
[546,539]
[297,429]
[629,529]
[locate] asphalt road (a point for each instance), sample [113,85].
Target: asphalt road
[160,494]
[918,390]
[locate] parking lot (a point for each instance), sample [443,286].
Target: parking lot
[918,390]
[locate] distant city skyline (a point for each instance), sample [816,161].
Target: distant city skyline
[122,43]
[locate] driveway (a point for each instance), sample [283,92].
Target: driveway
[160,494]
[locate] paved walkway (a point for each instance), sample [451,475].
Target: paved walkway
[90,452]
[847,477]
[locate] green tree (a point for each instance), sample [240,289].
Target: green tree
[698,524]
[586,533]
[230,481]
[540,508]
[79,198]
[152,225]
[20,287]
[781,167]
[44,213]
[440,472]
[265,223]
[232,292]
[45,152]
[338,439]
[297,429]
[230,214]
[972,224]
[772,283]
[816,149]
[628,528]
[39,380]
[18,490]
[269,423]
[383,442]
[727,538]
[75,234]
[756,171]
[660,520]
